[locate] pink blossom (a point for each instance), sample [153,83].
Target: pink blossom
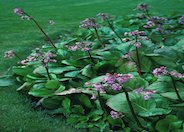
[128,55]
[89,23]
[116,115]
[149,24]
[122,78]
[99,87]
[83,46]
[94,96]
[116,87]
[181,20]
[160,71]
[137,33]
[18,11]
[88,84]
[103,16]
[136,44]
[146,93]
[9,54]
[176,74]
[142,7]
[23,62]
[48,57]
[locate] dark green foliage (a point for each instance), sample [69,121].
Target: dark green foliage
[64,92]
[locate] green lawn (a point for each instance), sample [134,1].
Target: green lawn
[22,36]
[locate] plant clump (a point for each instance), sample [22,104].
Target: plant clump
[119,74]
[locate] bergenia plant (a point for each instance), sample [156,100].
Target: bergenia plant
[173,74]
[110,88]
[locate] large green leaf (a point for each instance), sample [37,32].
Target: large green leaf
[5,81]
[164,61]
[51,103]
[160,86]
[66,104]
[145,64]
[22,70]
[84,99]
[154,112]
[56,70]
[172,95]
[39,90]
[135,83]
[169,124]
[87,71]
[126,67]
[52,84]
[119,103]
[97,79]
[72,74]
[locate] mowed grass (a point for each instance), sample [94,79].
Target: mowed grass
[16,113]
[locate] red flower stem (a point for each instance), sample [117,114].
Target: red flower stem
[40,28]
[132,109]
[17,56]
[112,28]
[98,37]
[138,60]
[101,102]
[175,88]
[47,71]
[147,13]
[91,57]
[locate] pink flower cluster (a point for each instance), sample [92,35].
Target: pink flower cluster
[89,23]
[163,71]
[18,11]
[9,54]
[83,46]
[136,44]
[159,20]
[21,14]
[138,35]
[142,7]
[48,58]
[146,93]
[160,71]
[149,24]
[31,58]
[114,81]
[181,20]
[135,33]
[140,15]
[116,115]
[126,56]
[176,74]
[103,16]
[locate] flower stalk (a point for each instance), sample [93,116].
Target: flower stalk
[41,29]
[98,37]
[17,56]
[101,102]
[48,74]
[112,28]
[138,60]
[93,61]
[175,88]
[132,109]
